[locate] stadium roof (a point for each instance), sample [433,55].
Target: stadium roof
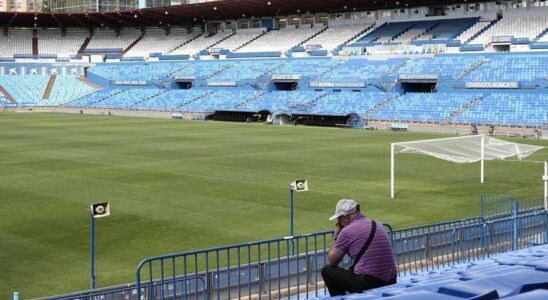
[188,14]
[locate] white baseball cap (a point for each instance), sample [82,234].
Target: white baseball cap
[344,207]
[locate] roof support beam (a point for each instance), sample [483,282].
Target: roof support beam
[10,22]
[58,22]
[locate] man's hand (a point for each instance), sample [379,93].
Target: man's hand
[338,228]
[333,258]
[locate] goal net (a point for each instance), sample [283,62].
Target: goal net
[465,149]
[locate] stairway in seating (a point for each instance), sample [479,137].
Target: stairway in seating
[229,66]
[313,36]
[261,82]
[84,45]
[170,75]
[306,106]
[183,43]
[461,110]
[483,30]
[86,81]
[7,95]
[193,100]
[221,40]
[381,105]
[360,34]
[132,44]
[538,37]
[251,99]
[35,46]
[250,41]
[319,77]
[366,32]
[148,98]
[104,98]
[406,29]
[472,68]
[49,87]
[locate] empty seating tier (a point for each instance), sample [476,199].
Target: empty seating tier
[514,109]
[283,39]
[517,27]
[53,42]
[108,39]
[424,107]
[156,41]
[514,275]
[337,35]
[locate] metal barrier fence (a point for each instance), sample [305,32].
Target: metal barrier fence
[439,245]
[500,206]
[495,206]
[284,267]
[271,268]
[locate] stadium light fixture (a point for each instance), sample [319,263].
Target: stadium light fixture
[97,210]
[300,185]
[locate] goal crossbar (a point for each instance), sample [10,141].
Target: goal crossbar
[462,149]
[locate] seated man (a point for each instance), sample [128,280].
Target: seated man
[374,267]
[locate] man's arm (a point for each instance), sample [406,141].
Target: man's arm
[333,257]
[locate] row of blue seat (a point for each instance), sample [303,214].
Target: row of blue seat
[520,274]
[468,68]
[528,109]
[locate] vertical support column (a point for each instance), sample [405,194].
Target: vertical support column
[92,252]
[392,170]
[291,231]
[545,178]
[515,214]
[290,212]
[15,295]
[482,157]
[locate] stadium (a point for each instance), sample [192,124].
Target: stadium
[195,149]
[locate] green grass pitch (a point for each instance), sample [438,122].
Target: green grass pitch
[180,185]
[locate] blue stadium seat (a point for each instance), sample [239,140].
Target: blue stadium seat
[533,295]
[510,283]
[490,278]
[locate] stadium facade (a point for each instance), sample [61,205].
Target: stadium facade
[91,5]
[456,67]
[20,5]
[287,62]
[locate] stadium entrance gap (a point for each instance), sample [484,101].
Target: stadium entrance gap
[183,84]
[241,116]
[418,83]
[285,82]
[314,120]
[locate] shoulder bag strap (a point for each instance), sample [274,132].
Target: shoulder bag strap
[366,245]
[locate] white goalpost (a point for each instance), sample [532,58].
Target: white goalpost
[463,149]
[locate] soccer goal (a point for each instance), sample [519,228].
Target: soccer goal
[463,149]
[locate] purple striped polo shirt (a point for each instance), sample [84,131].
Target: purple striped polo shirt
[378,261]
